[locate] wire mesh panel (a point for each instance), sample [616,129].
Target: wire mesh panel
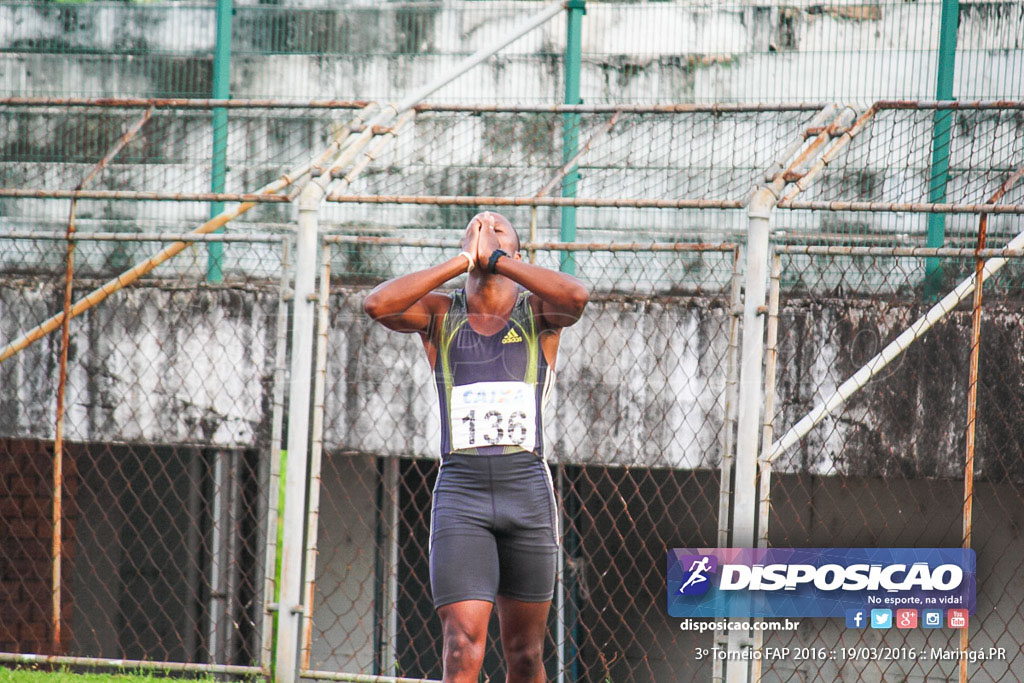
[175,391]
[887,469]
[167,421]
[742,51]
[713,155]
[682,51]
[293,49]
[635,436]
[693,52]
[908,158]
[66,49]
[637,161]
[167,153]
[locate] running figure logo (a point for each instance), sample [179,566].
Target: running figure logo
[698,568]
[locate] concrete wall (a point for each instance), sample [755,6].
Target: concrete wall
[651,51]
[639,382]
[157,366]
[911,419]
[625,544]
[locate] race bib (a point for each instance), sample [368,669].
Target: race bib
[493,414]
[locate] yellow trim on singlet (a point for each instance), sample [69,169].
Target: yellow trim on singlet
[449,328]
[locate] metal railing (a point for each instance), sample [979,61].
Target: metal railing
[178,391]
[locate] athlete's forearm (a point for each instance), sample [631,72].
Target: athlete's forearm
[397,295]
[558,290]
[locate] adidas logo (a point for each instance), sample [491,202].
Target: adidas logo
[512,337]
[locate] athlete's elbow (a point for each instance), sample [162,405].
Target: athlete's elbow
[572,308]
[373,306]
[580,299]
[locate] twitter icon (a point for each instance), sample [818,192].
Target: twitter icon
[881,618]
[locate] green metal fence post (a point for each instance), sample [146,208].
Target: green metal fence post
[571,124]
[940,142]
[570,142]
[221,91]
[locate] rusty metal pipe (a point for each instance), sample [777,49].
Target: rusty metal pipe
[56,530]
[450,200]
[546,246]
[972,389]
[136,195]
[972,414]
[837,147]
[374,148]
[118,146]
[62,380]
[918,252]
[177,103]
[902,207]
[142,236]
[949,104]
[453,107]
[780,178]
[667,108]
[725,108]
[813,128]
[140,269]
[316,448]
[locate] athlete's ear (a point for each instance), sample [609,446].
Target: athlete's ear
[517,256]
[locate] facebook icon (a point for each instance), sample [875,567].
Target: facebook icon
[855,618]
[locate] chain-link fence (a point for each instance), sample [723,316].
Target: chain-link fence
[894,465]
[281,50]
[681,51]
[167,395]
[161,151]
[176,410]
[636,440]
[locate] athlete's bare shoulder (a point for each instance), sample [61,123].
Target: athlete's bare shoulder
[439,304]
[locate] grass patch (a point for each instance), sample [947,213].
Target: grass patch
[65,676]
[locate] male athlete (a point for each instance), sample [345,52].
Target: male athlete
[493,530]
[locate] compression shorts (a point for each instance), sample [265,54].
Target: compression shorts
[493,529]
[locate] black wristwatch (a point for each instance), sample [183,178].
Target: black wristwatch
[492,263]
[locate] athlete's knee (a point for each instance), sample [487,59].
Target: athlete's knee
[463,653]
[525,660]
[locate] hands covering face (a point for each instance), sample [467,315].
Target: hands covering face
[471,238]
[481,239]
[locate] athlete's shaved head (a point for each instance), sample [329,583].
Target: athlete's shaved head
[498,218]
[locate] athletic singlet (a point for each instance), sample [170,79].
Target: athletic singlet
[491,389]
